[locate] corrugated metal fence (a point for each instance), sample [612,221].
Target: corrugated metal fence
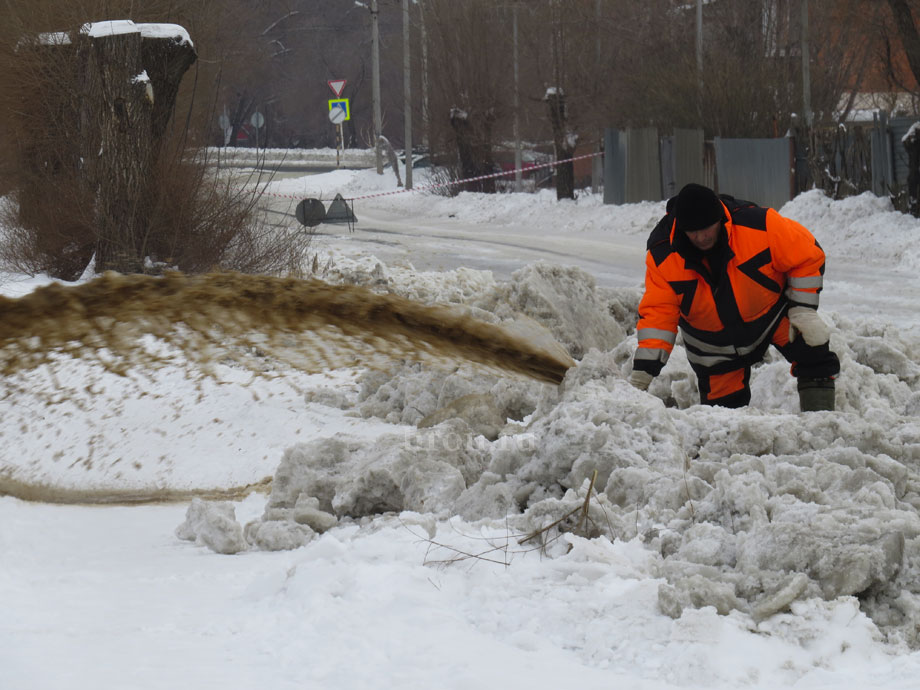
[759,170]
[632,169]
[641,165]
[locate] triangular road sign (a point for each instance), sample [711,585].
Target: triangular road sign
[337,85]
[340,212]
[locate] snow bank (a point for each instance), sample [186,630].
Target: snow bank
[864,228]
[460,286]
[409,393]
[748,511]
[751,510]
[563,299]
[212,524]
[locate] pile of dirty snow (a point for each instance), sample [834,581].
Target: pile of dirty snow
[746,510]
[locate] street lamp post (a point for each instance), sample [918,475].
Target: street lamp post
[407,92]
[375,84]
[518,177]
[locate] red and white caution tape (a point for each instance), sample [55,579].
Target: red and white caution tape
[297,197]
[425,188]
[476,179]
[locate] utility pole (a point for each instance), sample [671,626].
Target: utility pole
[806,68]
[597,29]
[699,38]
[597,163]
[407,92]
[518,175]
[426,120]
[375,84]
[699,60]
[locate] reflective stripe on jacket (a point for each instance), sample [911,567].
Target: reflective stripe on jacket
[729,301]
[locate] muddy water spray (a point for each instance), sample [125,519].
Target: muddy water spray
[129,321]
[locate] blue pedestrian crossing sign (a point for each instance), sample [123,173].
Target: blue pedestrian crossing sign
[339,111]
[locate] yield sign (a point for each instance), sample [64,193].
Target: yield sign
[336,85]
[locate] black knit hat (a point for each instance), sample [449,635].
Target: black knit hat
[697,207]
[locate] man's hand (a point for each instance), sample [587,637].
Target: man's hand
[640,379]
[807,322]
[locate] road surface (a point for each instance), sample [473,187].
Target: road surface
[852,288]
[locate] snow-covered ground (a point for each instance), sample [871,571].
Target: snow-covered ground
[719,549]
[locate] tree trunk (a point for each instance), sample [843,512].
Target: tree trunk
[912,144]
[244,108]
[564,143]
[474,149]
[484,151]
[392,158]
[129,86]
[166,62]
[115,122]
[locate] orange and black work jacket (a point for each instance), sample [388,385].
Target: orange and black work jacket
[730,300]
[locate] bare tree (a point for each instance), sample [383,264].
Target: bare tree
[564,139]
[468,95]
[900,49]
[907,31]
[618,63]
[111,90]
[750,84]
[100,166]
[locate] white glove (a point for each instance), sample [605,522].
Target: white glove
[807,322]
[640,379]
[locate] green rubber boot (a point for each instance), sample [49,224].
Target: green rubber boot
[816,394]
